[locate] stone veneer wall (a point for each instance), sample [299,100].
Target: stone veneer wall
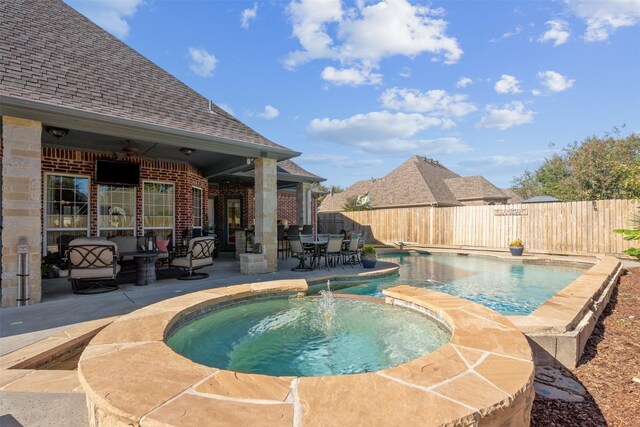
[184,176]
[21,204]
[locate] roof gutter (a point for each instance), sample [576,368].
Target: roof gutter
[132,129]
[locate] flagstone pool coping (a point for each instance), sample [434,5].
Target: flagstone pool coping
[484,374]
[577,306]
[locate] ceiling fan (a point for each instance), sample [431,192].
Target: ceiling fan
[129,152]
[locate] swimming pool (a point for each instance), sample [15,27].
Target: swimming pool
[508,287]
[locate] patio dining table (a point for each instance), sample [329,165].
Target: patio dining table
[315,248]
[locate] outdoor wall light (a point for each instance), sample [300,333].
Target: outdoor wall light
[187,151]
[57,132]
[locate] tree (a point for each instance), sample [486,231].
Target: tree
[332,189]
[352,205]
[596,169]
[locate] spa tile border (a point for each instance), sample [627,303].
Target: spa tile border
[483,375]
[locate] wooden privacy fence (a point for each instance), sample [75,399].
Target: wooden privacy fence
[561,228]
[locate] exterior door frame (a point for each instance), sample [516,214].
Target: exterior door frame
[228,242]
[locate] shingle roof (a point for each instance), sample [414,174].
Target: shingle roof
[474,187]
[53,55]
[290,167]
[541,199]
[512,195]
[418,181]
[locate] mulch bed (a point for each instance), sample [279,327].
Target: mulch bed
[610,362]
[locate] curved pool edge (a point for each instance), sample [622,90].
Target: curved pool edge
[484,374]
[559,329]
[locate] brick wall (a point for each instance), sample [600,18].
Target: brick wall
[183,176]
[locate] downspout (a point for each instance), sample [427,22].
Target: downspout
[308,209]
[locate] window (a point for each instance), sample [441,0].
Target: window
[197,207]
[116,210]
[158,203]
[66,209]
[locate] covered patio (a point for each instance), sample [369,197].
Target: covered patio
[103,142]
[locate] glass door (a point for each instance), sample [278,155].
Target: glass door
[233,218]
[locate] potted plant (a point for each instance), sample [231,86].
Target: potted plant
[46,270]
[632,234]
[516,247]
[368,256]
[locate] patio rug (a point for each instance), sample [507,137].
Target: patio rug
[163,273]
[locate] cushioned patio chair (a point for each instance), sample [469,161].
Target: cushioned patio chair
[199,254]
[94,264]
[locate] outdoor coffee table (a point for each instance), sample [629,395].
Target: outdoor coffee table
[145,267]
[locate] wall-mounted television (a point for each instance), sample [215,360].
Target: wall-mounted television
[114,172]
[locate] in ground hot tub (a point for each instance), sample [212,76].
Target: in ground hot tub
[308,336]
[483,374]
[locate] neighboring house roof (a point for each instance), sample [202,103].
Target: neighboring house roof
[512,195]
[541,199]
[474,188]
[53,59]
[418,181]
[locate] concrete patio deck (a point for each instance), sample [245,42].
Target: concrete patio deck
[61,309]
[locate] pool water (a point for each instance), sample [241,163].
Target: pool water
[510,288]
[308,337]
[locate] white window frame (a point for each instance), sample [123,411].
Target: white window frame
[201,226]
[46,210]
[173,226]
[135,202]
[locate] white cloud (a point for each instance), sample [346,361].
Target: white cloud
[446,145]
[512,114]
[359,37]
[506,161]
[507,84]
[338,161]
[437,102]
[558,32]
[463,82]
[249,15]
[604,17]
[202,62]
[374,126]
[405,73]
[555,82]
[385,132]
[351,76]
[269,113]
[226,108]
[535,92]
[110,15]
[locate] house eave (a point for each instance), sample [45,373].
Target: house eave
[126,128]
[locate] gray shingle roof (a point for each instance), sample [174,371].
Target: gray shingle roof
[541,199]
[53,55]
[474,187]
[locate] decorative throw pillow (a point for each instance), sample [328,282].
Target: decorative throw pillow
[162,245]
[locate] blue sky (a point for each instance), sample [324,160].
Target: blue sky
[486,87]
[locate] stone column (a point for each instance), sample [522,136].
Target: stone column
[303,203]
[266,210]
[21,204]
